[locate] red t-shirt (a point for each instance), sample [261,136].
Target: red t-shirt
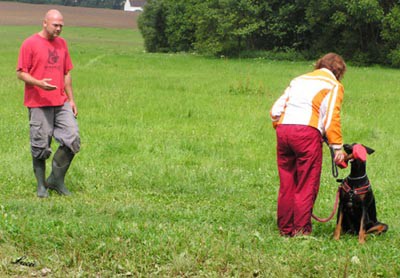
[43,58]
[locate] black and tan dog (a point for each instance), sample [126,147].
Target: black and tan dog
[357,210]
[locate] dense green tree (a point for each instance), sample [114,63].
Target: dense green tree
[349,27]
[365,31]
[227,26]
[391,36]
[180,25]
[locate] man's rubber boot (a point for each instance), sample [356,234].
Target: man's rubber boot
[39,168]
[61,161]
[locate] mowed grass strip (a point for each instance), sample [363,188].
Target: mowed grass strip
[177,173]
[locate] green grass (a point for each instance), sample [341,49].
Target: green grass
[177,173]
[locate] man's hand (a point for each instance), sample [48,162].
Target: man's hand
[45,85]
[30,80]
[74,108]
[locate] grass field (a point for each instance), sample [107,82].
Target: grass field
[177,174]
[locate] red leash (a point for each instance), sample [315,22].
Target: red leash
[333,212]
[335,175]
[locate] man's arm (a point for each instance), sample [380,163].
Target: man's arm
[30,80]
[70,94]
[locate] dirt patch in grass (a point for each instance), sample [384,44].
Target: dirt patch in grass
[12,13]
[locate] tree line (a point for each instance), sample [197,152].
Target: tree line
[363,31]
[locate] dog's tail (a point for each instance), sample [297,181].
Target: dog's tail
[378,228]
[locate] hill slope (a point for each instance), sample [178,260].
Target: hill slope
[13,13]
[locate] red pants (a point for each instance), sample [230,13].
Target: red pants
[299,156]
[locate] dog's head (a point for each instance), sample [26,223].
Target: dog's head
[357,155]
[357,151]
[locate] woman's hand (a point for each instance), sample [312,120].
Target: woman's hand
[339,156]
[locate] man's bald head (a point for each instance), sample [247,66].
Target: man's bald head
[52,24]
[53,14]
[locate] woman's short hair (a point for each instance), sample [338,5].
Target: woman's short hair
[334,63]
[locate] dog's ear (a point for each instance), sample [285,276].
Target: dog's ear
[348,148]
[369,150]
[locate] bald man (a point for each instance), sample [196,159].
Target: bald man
[44,65]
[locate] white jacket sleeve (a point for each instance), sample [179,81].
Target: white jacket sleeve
[279,106]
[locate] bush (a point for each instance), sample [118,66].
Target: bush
[394,58]
[152,24]
[276,55]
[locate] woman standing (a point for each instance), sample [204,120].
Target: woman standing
[308,110]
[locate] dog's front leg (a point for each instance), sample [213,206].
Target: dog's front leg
[362,233]
[338,229]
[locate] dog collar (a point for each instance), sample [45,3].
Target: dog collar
[357,191]
[358,178]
